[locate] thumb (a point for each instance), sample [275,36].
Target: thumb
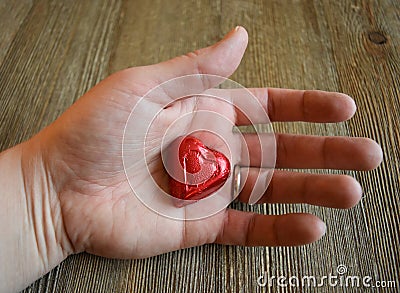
[220,59]
[204,68]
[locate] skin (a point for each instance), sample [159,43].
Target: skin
[66,191]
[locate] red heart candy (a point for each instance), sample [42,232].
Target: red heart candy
[204,170]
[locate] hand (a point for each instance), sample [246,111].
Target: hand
[98,211]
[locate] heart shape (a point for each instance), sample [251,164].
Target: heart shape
[203,170]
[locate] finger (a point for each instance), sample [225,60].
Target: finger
[298,105]
[319,152]
[335,191]
[251,229]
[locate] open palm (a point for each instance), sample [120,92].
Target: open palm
[101,215]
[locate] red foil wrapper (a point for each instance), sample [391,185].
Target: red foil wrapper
[203,170]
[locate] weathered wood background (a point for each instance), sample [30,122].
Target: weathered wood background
[51,52]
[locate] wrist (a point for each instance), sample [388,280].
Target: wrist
[33,238]
[44,208]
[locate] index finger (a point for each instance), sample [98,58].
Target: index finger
[301,105]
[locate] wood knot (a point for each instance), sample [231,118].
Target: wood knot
[377,38]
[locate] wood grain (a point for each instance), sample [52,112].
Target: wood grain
[51,52]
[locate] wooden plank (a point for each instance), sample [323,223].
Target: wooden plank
[12,14]
[367,57]
[60,52]
[52,52]
[151,32]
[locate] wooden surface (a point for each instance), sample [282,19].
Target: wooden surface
[51,52]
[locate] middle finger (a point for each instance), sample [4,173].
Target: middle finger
[317,152]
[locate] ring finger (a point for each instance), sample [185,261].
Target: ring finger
[335,191]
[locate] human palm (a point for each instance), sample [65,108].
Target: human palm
[100,213]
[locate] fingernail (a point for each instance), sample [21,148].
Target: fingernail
[231,33]
[322,228]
